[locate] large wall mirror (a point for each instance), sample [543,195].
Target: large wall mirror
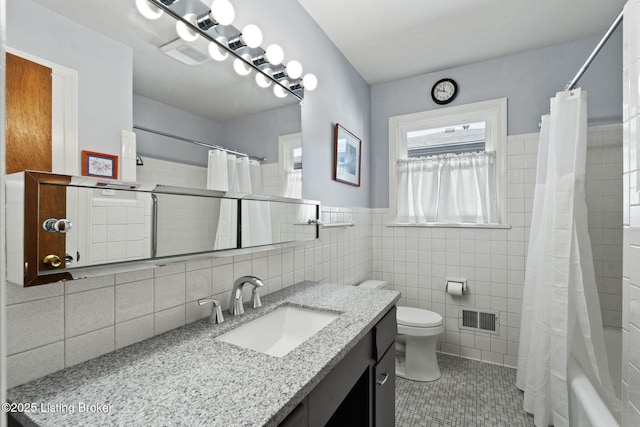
[128,77]
[63,226]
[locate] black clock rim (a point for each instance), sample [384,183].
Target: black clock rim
[446,101]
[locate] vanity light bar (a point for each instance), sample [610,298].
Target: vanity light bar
[295,87]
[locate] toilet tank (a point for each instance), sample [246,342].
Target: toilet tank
[374,284]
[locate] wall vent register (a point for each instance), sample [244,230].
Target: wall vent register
[485,321]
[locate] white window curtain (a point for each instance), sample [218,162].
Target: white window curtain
[293,183]
[449,188]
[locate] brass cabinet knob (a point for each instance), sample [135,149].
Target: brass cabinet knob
[52,261]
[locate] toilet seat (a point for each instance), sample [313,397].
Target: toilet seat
[417,317]
[418,322]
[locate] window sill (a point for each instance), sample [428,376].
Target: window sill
[444,225]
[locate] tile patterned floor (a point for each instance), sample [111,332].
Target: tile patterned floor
[470,393]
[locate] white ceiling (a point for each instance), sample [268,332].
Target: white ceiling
[384,40]
[389,40]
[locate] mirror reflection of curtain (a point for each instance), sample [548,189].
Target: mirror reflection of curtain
[293,183]
[217,176]
[241,175]
[255,170]
[290,165]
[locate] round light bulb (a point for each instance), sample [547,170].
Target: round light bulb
[274,54]
[251,35]
[222,12]
[294,69]
[241,67]
[216,52]
[184,32]
[279,91]
[262,80]
[310,81]
[148,10]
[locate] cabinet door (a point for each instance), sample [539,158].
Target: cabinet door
[299,417]
[385,389]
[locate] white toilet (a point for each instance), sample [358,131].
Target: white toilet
[418,332]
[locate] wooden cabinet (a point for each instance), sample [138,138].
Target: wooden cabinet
[360,390]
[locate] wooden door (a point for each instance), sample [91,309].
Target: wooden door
[29,115]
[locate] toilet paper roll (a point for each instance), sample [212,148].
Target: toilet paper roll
[455,288]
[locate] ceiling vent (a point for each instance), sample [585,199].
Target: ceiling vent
[185,52]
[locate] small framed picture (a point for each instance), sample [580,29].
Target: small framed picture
[99,165]
[347,157]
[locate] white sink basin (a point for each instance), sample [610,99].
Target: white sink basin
[280,331]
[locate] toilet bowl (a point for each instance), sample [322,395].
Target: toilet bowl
[418,332]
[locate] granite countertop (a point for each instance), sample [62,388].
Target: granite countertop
[185,377]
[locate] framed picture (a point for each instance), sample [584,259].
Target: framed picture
[99,165]
[346,164]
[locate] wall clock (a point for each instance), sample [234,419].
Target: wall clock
[444,91]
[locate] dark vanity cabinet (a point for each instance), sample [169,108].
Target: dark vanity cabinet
[360,390]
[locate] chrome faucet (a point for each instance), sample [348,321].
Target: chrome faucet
[235,303]
[216,309]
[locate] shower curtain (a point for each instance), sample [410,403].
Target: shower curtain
[561,318]
[229,173]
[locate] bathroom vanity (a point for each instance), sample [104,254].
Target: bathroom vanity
[342,375]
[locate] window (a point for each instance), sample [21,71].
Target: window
[448,166]
[290,165]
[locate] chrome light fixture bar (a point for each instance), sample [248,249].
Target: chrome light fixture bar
[284,81]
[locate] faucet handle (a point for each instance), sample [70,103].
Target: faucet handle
[255,298]
[216,310]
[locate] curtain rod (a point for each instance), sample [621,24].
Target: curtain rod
[572,84]
[203,144]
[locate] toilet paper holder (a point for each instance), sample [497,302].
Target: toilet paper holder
[458,287]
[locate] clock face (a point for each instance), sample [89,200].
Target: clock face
[444,91]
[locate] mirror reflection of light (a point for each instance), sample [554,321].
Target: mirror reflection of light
[279,91]
[216,52]
[262,80]
[184,32]
[241,67]
[148,10]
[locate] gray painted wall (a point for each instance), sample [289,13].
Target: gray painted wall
[527,79]
[258,134]
[104,69]
[342,96]
[165,118]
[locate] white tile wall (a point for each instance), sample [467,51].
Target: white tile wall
[120,227]
[603,191]
[270,177]
[171,173]
[182,175]
[417,261]
[58,325]
[631,203]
